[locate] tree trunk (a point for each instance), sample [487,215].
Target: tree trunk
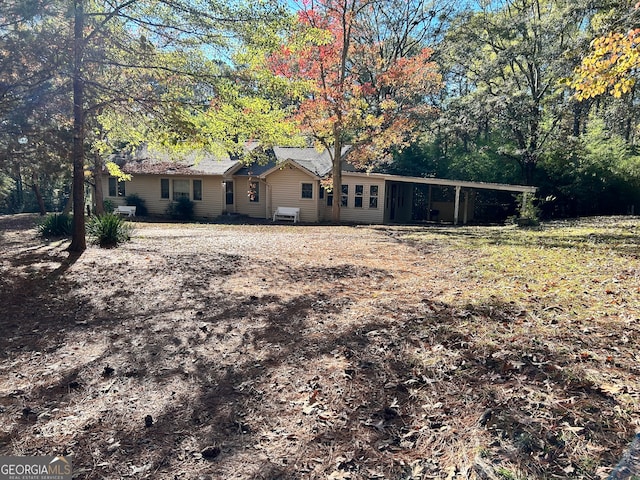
[577,116]
[38,194]
[19,203]
[336,173]
[78,240]
[529,167]
[97,177]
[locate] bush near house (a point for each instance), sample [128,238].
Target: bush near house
[181,209]
[135,201]
[108,205]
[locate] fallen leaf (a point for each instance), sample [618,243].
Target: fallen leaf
[612,389]
[339,475]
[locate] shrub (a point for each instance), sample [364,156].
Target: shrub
[529,212]
[56,225]
[135,201]
[181,209]
[109,206]
[108,230]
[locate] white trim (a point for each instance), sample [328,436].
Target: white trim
[305,199]
[281,165]
[444,182]
[356,196]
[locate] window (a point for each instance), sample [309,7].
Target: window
[116,188]
[228,189]
[344,198]
[197,189]
[254,191]
[180,189]
[321,192]
[307,190]
[373,196]
[329,199]
[164,188]
[357,201]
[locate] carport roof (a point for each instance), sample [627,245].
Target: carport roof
[448,183]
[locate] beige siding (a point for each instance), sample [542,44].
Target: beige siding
[357,215]
[147,187]
[212,203]
[286,191]
[243,205]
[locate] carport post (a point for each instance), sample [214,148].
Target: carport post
[456,209]
[525,197]
[466,207]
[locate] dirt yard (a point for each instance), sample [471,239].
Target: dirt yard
[298,352]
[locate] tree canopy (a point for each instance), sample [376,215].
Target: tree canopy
[361,87]
[507,90]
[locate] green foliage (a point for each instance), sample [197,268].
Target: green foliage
[507,62]
[597,173]
[109,230]
[109,205]
[181,209]
[56,225]
[134,200]
[114,171]
[485,162]
[529,211]
[6,189]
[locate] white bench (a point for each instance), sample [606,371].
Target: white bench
[128,210]
[287,213]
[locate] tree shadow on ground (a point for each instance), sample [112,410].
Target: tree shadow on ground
[621,237]
[185,378]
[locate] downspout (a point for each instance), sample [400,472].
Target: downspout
[317,200]
[223,205]
[267,202]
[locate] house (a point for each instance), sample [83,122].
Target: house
[293,177]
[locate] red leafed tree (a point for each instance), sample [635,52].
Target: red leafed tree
[361,83]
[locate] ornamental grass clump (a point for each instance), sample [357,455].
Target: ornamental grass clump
[109,230]
[56,225]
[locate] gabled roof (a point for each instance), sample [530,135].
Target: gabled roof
[317,163]
[160,163]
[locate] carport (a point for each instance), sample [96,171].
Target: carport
[399,198]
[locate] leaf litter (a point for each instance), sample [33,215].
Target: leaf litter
[261,351]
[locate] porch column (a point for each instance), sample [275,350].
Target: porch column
[456,209]
[429,205]
[466,207]
[524,202]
